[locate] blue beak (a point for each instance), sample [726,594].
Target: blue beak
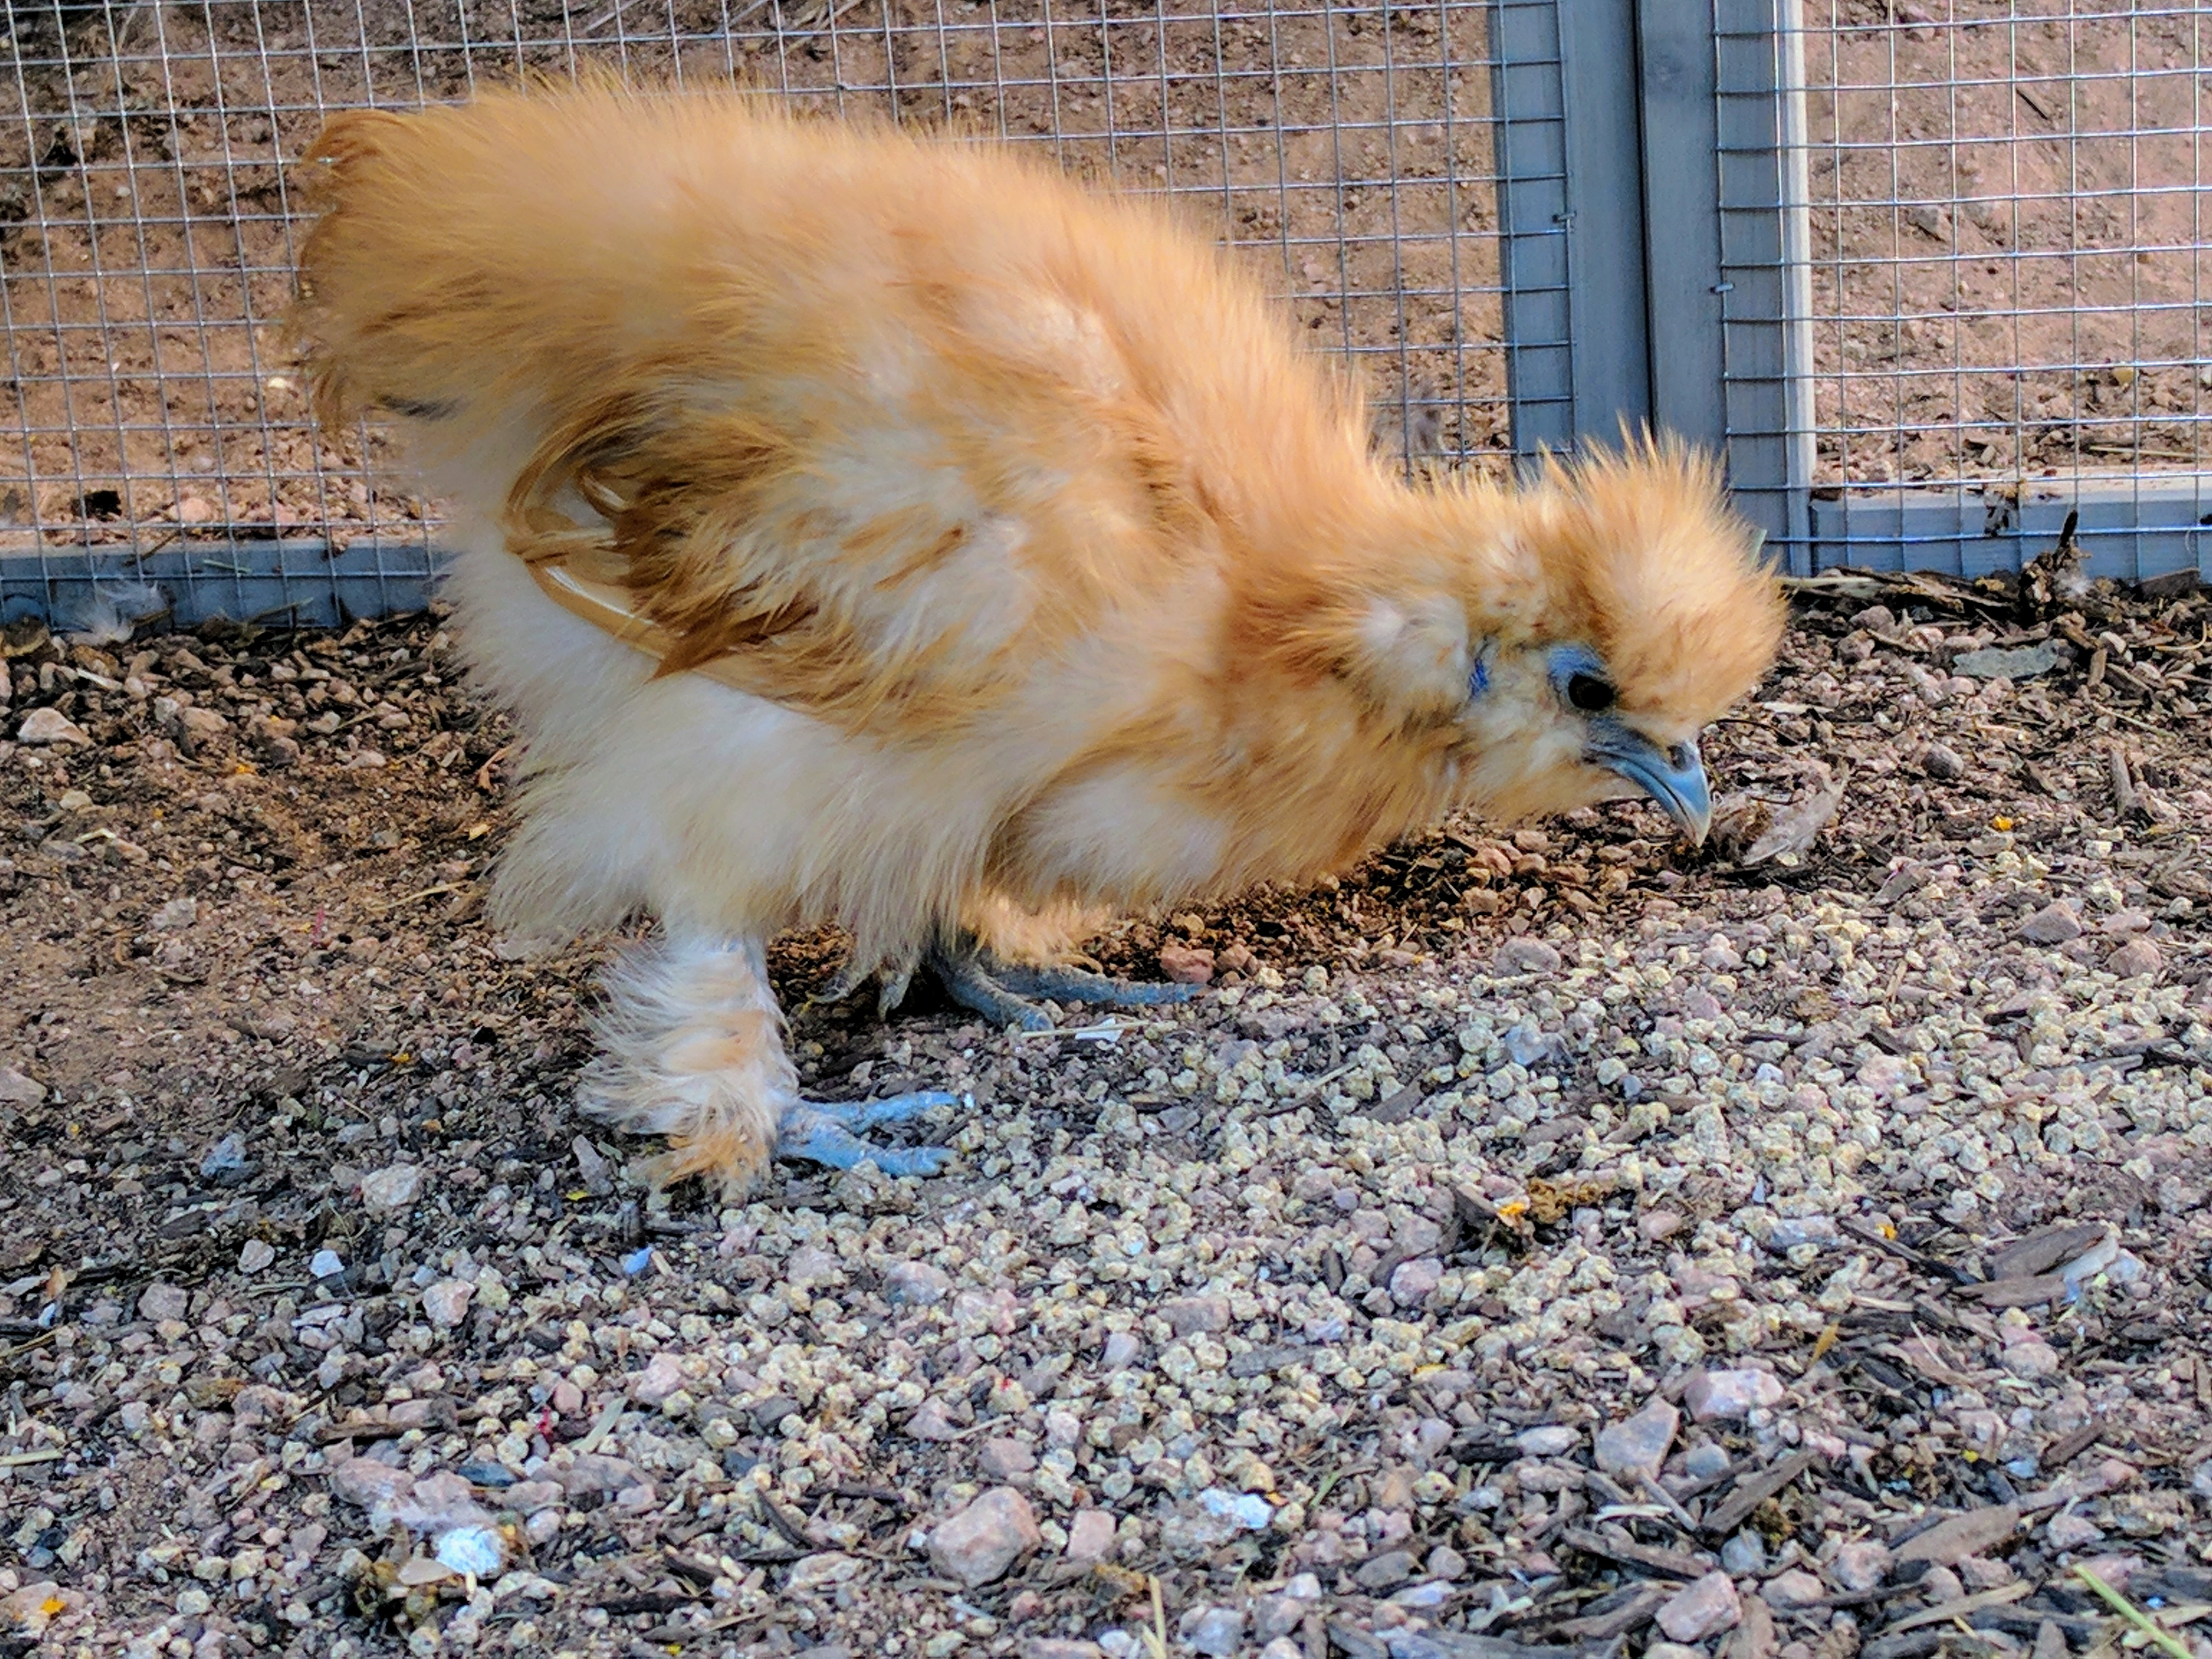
[1675,778]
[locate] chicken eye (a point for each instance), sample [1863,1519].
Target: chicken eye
[1589,694]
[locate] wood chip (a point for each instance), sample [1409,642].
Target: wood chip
[1618,1546]
[2071,1444]
[1974,1533]
[1631,1616]
[2017,1292]
[1943,1613]
[1753,1489]
[2039,1253]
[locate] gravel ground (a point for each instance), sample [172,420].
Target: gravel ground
[1533,1245]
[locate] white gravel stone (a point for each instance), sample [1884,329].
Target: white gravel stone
[43,726]
[390,1190]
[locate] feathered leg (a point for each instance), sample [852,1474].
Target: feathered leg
[691,1048]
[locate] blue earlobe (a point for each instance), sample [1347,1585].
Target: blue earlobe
[1478,681]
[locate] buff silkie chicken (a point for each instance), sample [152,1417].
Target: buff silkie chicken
[886,531]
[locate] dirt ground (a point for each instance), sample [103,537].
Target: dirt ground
[1529,1246]
[2005,208]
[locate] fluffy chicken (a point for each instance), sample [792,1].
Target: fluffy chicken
[886,531]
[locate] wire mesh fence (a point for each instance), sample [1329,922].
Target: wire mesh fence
[1997,220]
[150,228]
[2007,205]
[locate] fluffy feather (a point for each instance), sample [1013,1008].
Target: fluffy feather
[887,532]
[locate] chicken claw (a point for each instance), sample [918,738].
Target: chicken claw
[824,1132]
[979,981]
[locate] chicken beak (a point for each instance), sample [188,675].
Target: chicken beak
[1675,778]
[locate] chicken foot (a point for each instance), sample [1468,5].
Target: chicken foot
[981,982]
[691,1048]
[828,1132]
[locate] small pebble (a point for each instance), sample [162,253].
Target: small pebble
[1638,1446]
[46,727]
[388,1191]
[446,1302]
[2138,957]
[1794,1589]
[1861,1566]
[1215,1631]
[2054,924]
[1744,1553]
[160,1301]
[2073,1532]
[1701,1608]
[1714,1395]
[1090,1536]
[1188,1315]
[916,1283]
[1005,1460]
[978,1546]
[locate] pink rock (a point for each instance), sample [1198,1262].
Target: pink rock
[1186,1316]
[931,1421]
[1713,1395]
[1005,1460]
[1794,1589]
[1863,1565]
[446,1302]
[2054,924]
[1412,1282]
[1090,1535]
[978,1546]
[1701,1608]
[1638,1445]
[2136,958]
[1524,955]
[1187,964]
[366,1482]
[662,1377]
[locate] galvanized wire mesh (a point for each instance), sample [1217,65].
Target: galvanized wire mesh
[146,231]
[2008,223]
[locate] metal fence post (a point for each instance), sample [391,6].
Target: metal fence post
[1571,221]
[1652,205]
[1764,276]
